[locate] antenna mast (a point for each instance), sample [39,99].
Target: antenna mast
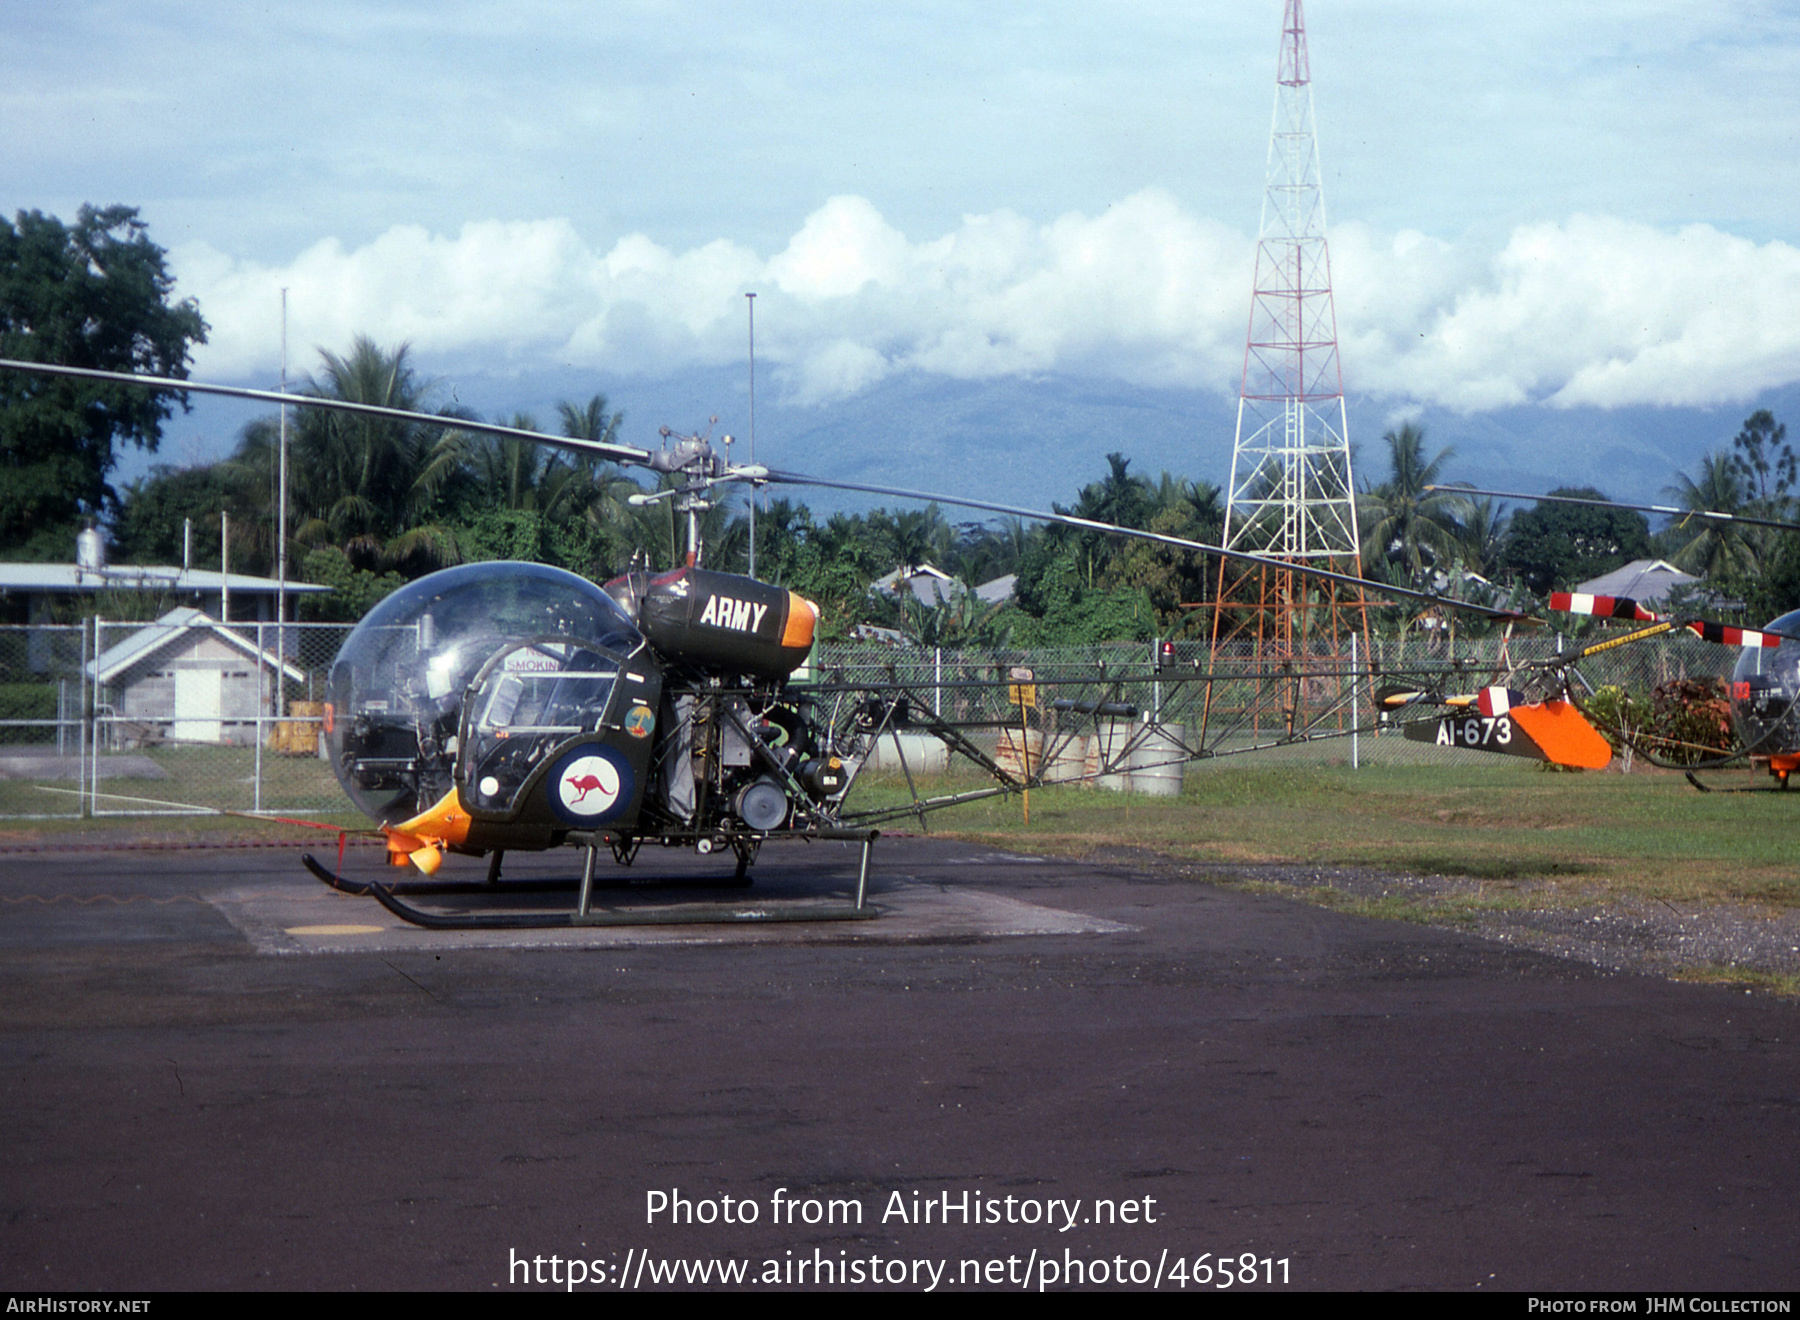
[1291,494]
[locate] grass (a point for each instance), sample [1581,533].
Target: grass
[1567,837]
[1506,826]
[220,777]
[1749,977]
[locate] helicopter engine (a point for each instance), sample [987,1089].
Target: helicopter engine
[741,755]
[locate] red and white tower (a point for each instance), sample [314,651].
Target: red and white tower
[1291,495]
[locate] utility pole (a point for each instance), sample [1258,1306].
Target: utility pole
[750,298]
[281,540]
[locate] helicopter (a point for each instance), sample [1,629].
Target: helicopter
[1763,693]
[504,706]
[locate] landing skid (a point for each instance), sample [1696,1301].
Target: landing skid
[491,888]
[1780,786]
[586,914]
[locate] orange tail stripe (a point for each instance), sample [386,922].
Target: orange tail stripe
[1563,735]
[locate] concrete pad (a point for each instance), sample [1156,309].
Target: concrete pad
[293,920]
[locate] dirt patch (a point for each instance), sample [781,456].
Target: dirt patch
[1693,941]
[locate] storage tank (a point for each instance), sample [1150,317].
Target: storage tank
[1158,760]
[90,550]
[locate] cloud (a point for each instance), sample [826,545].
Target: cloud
[1591,311]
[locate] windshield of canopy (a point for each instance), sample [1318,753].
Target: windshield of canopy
[397,685]
[530,700]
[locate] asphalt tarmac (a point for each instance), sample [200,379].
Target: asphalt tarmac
[218,1074]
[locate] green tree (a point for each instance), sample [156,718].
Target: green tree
[155,509]
[94,294]
[355,592]
[1479,537]
[1559,545]
[1404,524]
[1721,551]
[1763,458]
[911,538]
[1170,577]
[374,487]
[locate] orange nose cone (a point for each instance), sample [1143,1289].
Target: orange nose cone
[803,617]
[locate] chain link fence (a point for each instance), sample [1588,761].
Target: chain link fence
[45,735]
[136,718]
[1315,711]
[127,718]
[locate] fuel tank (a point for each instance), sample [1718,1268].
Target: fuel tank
[719,620]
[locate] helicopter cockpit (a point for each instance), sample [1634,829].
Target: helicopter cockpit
[394,722]
[1765,693]
[529,699]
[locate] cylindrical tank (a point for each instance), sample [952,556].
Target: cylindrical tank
[1157,761]
[1017,747]
[1109,753]
[1068,760]
[90,550]
[719,620]
[925,755]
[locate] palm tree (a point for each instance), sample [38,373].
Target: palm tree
[1480,534]
[1402,521]
[912,538]
[512,469]
[590,421]
[656,536]
[371,485]
[1710,548]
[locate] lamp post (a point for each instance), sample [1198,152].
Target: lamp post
[750,298]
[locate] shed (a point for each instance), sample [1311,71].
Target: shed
[1644,580]
[930,586]
[189,678]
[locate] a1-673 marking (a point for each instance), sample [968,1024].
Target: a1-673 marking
[1475,731]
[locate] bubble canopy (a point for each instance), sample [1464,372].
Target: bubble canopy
[1765,692]
[397,685]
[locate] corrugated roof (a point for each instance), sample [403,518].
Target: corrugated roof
[128,577]
[172,627]
[1642,580]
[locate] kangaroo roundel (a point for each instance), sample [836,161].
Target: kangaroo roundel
[588,786]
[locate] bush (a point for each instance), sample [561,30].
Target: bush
[1684,720]
[27,701]
[1692,718]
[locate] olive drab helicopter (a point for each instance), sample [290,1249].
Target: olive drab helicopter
[500,706]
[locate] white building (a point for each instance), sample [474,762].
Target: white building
[187,678]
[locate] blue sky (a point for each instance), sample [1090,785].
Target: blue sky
[1580,206]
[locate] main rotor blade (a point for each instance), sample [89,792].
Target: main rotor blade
[599,449]
[1111,529]
[1623,607]
[1673,512]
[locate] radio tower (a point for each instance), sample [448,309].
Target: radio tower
[1291,495]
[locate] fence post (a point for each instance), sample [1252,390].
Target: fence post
[90,714]
[1355,707]
[257,728]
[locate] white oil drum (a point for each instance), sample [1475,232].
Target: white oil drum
[1109,754]
[1157,761]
